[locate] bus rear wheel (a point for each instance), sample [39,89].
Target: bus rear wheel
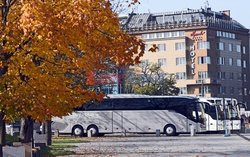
[94,130]
[170,130]
[77,130]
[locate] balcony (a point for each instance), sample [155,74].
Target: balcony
[202,81]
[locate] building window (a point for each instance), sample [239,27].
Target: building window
[204,90]
[239,76]
[225,34]
[163,35]
[231,61]
[180,46]
[221,46]
[204,60]
[181,61]
[161,47]
[245,77]
[204,45]
[245,91]
[231,76]
[181,76]
[238,62]
[152,36]
[162,62]
[219,33]
[183,90]
[175,34]
[145,36]
[222,75]
[167,34]
[244,64]
[182,33]
[238,48]
[203,75]
[230,47]
[221,61]
[159,35]
[232,90]
[222,90]
[244,49]
[233,36]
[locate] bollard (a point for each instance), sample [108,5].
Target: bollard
[56,133]
[192,130]
[89,133]
[227,132]
[158,132]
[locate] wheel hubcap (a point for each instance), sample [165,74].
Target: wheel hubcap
[169,130]
[93,131]
[78,131]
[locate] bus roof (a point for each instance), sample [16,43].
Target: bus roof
[118,96]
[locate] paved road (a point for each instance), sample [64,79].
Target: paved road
[185,146]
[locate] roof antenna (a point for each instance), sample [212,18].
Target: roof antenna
[206,4]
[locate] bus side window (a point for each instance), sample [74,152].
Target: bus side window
[182,109]
[119,104]
[159,103]
[140,104]
[132,104]
[103,105]
[84,107]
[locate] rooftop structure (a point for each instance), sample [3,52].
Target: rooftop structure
[179,19]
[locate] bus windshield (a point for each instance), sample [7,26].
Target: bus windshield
[233,112]
[211,110]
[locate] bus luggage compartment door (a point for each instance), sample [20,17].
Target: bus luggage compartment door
[117,121]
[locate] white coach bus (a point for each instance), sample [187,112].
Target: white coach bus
[136,114]
[231,117]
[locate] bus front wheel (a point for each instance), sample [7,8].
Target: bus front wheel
[77,130]
[94,130]
[170,130]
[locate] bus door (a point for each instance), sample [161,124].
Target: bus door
[193,112]
[211,117]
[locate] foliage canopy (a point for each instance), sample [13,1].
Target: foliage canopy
[46,44]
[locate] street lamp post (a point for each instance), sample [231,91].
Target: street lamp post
[202,88]
[227,131]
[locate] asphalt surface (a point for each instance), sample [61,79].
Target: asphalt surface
[183,145]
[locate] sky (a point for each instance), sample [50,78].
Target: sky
[240,9]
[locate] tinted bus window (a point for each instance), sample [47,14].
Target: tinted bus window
[93,106]
[160,103]
[132,104]
[211,110]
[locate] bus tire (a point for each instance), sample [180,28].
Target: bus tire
[170,130]
[94,129]
[77,130]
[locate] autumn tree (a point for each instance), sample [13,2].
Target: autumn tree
[44,44]
[150,79]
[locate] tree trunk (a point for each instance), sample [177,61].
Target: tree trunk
[2,133]
[48,132]
[26,131]
[43,128]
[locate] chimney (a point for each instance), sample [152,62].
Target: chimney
[226,12]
